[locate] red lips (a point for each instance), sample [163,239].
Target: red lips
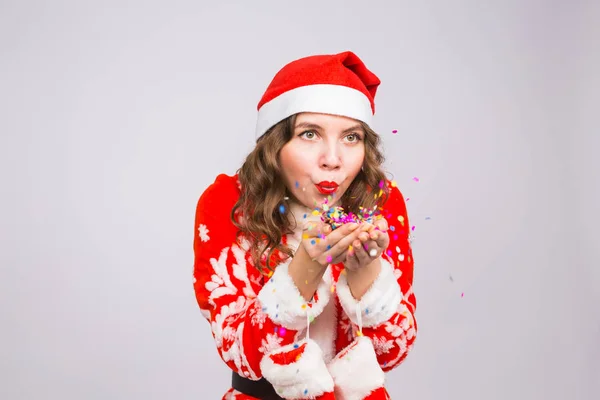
[326,187]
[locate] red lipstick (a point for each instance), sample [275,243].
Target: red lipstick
[326,187]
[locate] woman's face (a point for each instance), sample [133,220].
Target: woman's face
[323,157]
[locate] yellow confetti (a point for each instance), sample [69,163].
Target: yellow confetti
[316,213]
[304,306]
[393,183]
[359,333]
[350,248]
[305,236]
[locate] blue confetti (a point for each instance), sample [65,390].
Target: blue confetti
[392,228]
[297,184]
[296,345]
[313,242]
[367,311]
[328,246]
[281,209]
[304,216]
[305,391]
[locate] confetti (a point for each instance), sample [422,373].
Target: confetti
[462,295]
[297,184]
[451,279]
[329,259]
[427,218]
[395,131]
[282,209]
[413,228]
[282,331]
[336,216]
[416,179]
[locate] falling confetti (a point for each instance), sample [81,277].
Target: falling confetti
[451,279]
[462,295]
[427,218]
[395,131]
[416,179]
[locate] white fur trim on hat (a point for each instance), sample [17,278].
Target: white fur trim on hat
[322,98]
[378,304]
[283,303]
[356,371]
[305,378]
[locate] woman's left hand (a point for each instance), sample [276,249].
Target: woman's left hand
[371,243]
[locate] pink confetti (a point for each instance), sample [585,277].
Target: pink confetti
[416,179]
[413,228]
[462,295]
[329,259]
[394,131]
[282,331]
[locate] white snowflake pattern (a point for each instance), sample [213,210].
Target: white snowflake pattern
[270,343]
[382,345]
[393,329]
[258,317]
[203,233]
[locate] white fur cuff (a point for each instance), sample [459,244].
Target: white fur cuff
[380,301]
[283,303]
[356,371]
[303,376]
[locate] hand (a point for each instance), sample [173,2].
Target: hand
[325,246]
[372,241]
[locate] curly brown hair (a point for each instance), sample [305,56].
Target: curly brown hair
[263,191]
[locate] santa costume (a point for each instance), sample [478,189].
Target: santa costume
[277,344]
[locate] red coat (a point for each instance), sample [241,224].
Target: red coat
[253,317]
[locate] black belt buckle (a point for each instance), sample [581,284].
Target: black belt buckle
[260,389]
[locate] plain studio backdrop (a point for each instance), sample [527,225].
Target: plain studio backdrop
[115,116]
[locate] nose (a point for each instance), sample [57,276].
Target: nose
[330,158]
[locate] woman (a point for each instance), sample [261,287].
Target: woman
[300,308]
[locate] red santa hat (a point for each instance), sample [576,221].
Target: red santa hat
[338,84]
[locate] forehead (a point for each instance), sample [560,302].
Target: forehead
[326,121]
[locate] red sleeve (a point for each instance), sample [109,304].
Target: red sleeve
[387,308]
[248,317]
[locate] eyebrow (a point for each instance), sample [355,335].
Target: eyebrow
[309,125]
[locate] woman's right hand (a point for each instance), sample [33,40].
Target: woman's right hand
[326,246]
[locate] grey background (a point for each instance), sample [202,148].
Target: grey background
[116,115]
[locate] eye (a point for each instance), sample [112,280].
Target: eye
[308,135]
[353,137]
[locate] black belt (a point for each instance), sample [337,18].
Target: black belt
[260,389]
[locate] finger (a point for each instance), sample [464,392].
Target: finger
[381,224]
[363,256]
[371,248]
[383,240]
[343,244]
